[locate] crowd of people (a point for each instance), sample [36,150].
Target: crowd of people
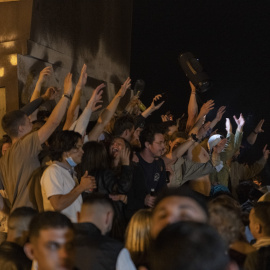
[121,192]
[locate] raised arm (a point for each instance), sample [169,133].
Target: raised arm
[107,114]
[93,104]
[152,107]
[252,137]
[218,117]
[58,112]
[76,98]
[192,108]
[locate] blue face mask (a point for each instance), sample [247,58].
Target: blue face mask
[71,162]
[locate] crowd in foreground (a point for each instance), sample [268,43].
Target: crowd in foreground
[123,193]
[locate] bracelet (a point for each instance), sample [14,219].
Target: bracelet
[194,137]
[254,132]
[67,96]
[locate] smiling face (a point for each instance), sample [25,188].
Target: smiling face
[173,209]
[116,147]
[53,249]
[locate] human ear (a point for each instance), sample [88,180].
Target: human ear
[29,251]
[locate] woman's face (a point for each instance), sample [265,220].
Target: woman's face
[116,147]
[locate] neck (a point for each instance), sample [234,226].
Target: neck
[147,155]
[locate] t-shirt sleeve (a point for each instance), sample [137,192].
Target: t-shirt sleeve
[52,182]
[31,145]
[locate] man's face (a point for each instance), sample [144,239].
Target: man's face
[54,249]
[135,141]
[77,152]
[173,209]
[158,146]
[128,134]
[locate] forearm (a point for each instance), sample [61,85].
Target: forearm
[36,92]
[83,121]
[61,202]
[181,149]
[32,106]
[148,111]
[252,137]
[72,107]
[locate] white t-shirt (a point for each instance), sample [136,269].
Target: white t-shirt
[57,180]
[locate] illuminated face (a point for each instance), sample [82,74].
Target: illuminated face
[76,153]
[158,146]
[135,141]
[173,209]
[116,147]
[53,249]
[5,147]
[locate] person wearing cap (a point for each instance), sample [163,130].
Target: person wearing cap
[233,144]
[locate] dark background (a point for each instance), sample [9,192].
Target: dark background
[232,41]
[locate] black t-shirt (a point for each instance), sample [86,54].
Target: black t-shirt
[155,173]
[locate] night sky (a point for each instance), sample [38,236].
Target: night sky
[232,41]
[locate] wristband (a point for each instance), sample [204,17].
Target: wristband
[67,96]
[194,137]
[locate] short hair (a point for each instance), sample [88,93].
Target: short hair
[97,198]
[190,246]
[262,212]
[148,134]
[48,220]
[11,122]
[21,213]
[165,126]
[183,191]
[64,141]
[123,123]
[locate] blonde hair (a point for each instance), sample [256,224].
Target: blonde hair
[138,235]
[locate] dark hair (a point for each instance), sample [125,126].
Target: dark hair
[22,212]
[178,134]
[262,212]
[190,246]
[48,220]
[63,141]
[95,158]
[97,198]
[148,134]
[123,123]
[183,191]
[165,126]
[5,139]
[11,122]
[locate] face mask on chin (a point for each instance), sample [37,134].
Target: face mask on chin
[71,162]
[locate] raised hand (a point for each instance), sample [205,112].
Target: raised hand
[228,125]
[220,146]
[265,152]
[240,121]
[68,84]
[258,128]
[83,78]
[44,74]
[124,87]
[157,97]
[207,107]
[51,93]
[220,112]
[96,98]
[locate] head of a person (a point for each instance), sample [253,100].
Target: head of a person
[169,127]
[188,245]
[137,239]
[51,241]
[152,140]
[177,204]
[119,144]
[227,221]
[176,139]
[95,158]
[259,220]
[5,144]
[67,146]
[124,127]
[18,224]
[16,124]
[97,209]
[213,141]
